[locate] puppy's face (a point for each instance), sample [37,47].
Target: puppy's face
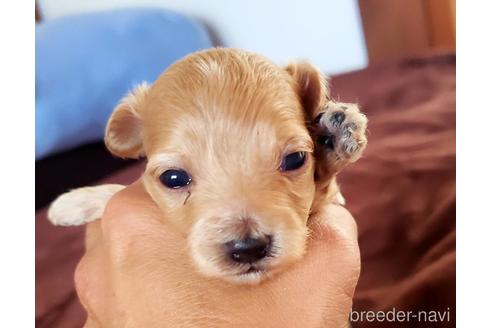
[230,157]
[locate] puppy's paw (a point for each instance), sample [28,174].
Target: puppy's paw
[81,205]
[340,132]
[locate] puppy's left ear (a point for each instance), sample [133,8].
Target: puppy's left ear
[124,131]
[312,87]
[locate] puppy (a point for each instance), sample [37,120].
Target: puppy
[242,156]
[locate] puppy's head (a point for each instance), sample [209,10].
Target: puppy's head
[230,156]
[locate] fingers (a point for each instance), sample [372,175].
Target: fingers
[132,197]
[334,221]
[91,277]
[334,237]
[131,206]
[330,269]
[136,253]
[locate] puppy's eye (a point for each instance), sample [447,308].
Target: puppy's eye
[293,161]
[175,179]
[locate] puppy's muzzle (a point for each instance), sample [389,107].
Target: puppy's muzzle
[249,250]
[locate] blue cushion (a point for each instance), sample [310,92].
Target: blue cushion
[86,63]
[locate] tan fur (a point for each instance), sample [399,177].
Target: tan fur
[228,117]
[124,130]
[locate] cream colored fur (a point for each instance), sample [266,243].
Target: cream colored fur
[228,117]
[82,205]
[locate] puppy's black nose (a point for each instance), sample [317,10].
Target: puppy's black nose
[249,250]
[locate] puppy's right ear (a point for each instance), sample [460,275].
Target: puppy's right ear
[312,87]
[124,132]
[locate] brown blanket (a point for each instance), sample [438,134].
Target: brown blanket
[402,194]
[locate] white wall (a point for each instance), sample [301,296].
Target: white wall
[326,32]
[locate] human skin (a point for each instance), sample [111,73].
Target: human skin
[137,272]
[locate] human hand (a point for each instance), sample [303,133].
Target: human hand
[136,272]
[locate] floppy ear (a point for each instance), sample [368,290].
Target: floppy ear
[313,91]
[312,87]
[124,130]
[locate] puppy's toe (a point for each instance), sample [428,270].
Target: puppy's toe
[341,132]
[81,205]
